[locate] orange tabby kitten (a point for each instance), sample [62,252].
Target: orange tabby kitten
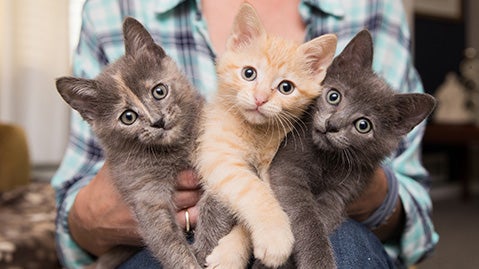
[265,85]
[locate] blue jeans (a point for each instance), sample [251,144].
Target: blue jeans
[354,246]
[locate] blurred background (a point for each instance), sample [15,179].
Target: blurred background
[36,41]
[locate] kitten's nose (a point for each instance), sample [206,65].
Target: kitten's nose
[331,127]
[260,99]
[159,124]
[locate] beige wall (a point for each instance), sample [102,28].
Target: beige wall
[34,50]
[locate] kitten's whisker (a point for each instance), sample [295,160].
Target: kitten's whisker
[298,122]
[283,125]
[349,161]
[294,122]
[274,125]
[154,153]
[129,153]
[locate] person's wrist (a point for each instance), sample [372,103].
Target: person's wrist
[388,206]
[87,215]
[392,227]
[371,198]
[81,226]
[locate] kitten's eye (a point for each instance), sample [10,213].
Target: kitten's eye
[128,117]
[248,73]
[363,125]
[286,87]
[160,91]
[333,97]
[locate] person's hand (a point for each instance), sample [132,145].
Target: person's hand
[99,219]
[370,200]
[187,194]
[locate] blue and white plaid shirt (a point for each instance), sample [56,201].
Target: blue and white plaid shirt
[179,27]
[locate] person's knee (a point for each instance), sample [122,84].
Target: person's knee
[143,259]
[355,246]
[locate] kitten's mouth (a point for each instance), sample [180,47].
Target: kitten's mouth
[159,134]
[255,116]
[255,109]
[167,128]
[161,124]
[327,140]
[319,131]
[321,141]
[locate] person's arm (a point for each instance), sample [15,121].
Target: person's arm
[408,227]
[100,220]
[391,220]
[80,163]
[83,157]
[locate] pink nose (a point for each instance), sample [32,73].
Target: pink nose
[260,100]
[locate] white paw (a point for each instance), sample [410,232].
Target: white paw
[228,260]
[232,252]
[274,246]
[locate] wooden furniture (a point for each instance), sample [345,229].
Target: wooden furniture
[458,138]
[14,157]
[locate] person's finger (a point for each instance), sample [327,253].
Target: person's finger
[186,198]
[187,180]
[192,215]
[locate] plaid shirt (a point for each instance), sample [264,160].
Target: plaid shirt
[179,27]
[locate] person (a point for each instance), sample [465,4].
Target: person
[390,225]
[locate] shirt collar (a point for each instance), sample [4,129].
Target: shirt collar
[164,6]
[332,7]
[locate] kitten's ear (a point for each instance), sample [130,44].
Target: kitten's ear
[358,53]
[318,54]
[413,109]
[247,27]
[80,94]
[137,37]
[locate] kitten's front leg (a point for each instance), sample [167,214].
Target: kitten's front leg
[214,222]
[312,246]
[159,229]
[256,206]
[333,209]
[233,250]
[225,169]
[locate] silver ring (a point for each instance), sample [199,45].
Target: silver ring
[187,221]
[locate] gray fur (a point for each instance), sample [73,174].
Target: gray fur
[147,155]
[315,179]
[215,221]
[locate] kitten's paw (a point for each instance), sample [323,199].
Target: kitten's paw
[273,247]
[225,260]
[232,252]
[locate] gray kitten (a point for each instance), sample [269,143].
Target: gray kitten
[146,115]
[354,125]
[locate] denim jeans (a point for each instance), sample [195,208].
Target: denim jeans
[354,246]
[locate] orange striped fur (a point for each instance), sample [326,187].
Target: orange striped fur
[240,137]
